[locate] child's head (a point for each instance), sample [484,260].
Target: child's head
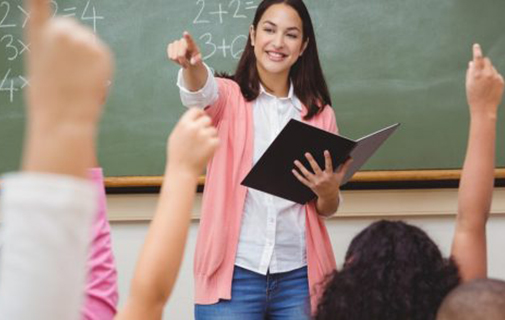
[479,299]
[393,270]
[282,42]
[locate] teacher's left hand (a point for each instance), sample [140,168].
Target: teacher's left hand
[325,183]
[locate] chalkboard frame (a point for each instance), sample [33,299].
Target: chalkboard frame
[399,179]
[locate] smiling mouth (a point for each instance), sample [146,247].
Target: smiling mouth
[276,56]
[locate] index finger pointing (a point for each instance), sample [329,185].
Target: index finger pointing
[477,56]
[189,40]
[40,13]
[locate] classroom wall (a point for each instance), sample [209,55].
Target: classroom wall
[433,210]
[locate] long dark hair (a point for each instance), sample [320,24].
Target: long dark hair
[393,271]
[306,74]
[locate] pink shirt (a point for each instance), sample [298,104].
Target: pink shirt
[101,295]
[224,198]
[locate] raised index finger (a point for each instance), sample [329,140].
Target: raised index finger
[189,39]
[477,56]
[40,13]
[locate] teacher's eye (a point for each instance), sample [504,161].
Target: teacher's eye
[268,30]
[292,36]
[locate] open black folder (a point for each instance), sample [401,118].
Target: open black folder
[272,173]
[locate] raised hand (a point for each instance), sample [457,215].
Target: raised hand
[484,85]
[185,51]
[68,66]
[192,142]
[190,145]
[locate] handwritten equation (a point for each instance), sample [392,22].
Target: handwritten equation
[13,19]
[211,16]
[221,14]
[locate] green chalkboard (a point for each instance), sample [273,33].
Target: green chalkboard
[385,61]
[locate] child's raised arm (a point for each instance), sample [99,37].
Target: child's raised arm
[47,209]
[190,146]
[68,67]
[484,87]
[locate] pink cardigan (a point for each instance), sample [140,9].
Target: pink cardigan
[224,198]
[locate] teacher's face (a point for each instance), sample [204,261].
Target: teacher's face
[277,40]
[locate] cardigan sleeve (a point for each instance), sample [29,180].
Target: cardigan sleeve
[202,98]
[216,95]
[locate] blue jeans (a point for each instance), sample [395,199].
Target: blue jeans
[258,297]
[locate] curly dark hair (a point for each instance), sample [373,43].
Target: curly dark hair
[393,271]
